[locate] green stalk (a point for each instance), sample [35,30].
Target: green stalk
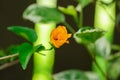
[81,18]
[104,19]
[95,62]
[44,60]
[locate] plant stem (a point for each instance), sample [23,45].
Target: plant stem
[43,64]
[6,65]
[76,19]
[70,28]
[102,71]
[81,19]
[113,57]
[9,56]
[93,56]
[104,19]
[99,66]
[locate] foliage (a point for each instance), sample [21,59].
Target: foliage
[25,32]
[92,38]
[87,35]
[25,50]
[76,75]
[114,68]
[71,75]
[84,3]
[37,13]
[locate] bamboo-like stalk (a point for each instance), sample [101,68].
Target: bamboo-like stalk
[104,19]
[43,64]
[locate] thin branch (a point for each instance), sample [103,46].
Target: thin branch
[81,19]
[9,56]
[96,63]
[114,56]
[98,66]
[6,65]
[69,27]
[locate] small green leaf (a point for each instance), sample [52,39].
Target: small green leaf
[71,75]
[70,10]
[25,52]
[2,53]
[84,3]
[92,75]
[13,49]
[37,13]
[114,56]
[86,35]
[115,47]
[39,48]
[114,69]
[25,32]
[102,47]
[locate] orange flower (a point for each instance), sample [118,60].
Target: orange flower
[59,36]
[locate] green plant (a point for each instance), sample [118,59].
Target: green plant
[97,39]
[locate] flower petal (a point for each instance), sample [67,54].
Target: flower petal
[59,36]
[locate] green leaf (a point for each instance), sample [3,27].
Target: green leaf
[70,10]
[71,75]
[92,75]
[2,53]
[114,69]
[37,13]
[102,47]
[115,47]
[25,32]
[87,35]
[84,3]
[13,49]
[25,52]
[39,48]
[114,56]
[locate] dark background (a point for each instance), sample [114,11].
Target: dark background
[70,56]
